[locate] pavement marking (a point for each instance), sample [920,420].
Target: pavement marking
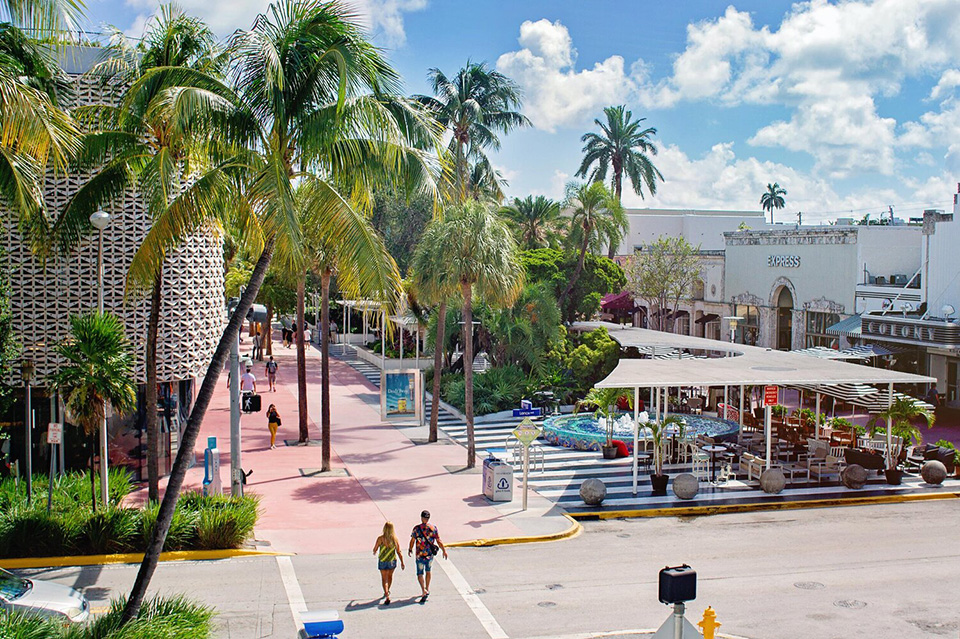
[291,586]
[472,600]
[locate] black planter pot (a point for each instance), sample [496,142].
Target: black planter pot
[659,483]
[609,452]
[894,476]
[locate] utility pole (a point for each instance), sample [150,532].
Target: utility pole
[236,474]
[799,218]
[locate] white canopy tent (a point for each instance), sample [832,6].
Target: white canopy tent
[727,364]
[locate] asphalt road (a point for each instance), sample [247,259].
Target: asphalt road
[873,572]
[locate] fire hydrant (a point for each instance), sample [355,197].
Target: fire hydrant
[709,624]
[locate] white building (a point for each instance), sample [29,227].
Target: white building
[703,228]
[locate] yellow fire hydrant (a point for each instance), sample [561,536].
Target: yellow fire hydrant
[709,624]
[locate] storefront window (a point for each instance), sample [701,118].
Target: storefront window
[748,328]
[817,325]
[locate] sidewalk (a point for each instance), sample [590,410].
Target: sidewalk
[378,473]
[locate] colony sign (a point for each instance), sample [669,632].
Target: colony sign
[784,261]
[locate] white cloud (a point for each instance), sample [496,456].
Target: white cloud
[948,81]
[383,18]
[556,94]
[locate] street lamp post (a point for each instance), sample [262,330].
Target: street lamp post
[101,220]
[27,370]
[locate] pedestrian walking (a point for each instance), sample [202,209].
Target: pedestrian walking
[333,331]
[285,332]
[258,346]
[273,423]
[426,538]
[387,549]
[271,370]
[248,381]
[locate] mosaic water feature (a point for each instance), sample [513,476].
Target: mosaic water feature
[583,432]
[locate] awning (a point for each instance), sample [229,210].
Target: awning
[679,314]
[706,319]
[830,353]
[621,301]
[873,350]
[849,327]
[879,401]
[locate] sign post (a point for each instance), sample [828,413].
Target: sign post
[770,396]
[55,439]
[527,432]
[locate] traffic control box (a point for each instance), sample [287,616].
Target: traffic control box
[497,479]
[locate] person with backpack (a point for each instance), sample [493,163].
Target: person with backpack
[426,538]
[271,371]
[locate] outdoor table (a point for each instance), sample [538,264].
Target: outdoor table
[713,450]
[644,459]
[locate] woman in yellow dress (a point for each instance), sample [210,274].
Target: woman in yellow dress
[388,551]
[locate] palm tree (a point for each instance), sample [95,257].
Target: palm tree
[485,183]
[482,257]
[624,147]
[300,110]
[596,216]
[902,416]
[363,269]
[533,220]
[153,152]
[98,369]
[47,17]
[434,285]
[474,106]
[772,199]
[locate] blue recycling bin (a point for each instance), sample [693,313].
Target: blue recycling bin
[321,624]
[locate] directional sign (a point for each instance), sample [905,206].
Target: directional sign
[770,395]
[527,412]
[54,433]
[526,432]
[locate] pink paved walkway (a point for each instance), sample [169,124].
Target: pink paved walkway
[389,476]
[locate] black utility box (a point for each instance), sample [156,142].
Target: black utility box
[678,584]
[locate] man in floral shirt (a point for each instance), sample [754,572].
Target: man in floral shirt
[425,536]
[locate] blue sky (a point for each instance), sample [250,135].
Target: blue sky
[851,106]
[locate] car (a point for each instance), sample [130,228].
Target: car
[42,598]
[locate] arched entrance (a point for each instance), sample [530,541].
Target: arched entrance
[784,319]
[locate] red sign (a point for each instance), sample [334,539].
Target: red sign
[771,395]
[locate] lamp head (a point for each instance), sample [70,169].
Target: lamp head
[27,370]
[100,220]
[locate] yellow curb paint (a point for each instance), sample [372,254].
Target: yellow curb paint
[745,508]
[130,558]
[575,529]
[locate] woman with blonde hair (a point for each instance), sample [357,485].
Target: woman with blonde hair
[388,550]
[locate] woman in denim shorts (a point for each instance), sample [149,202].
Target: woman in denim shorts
[387,550]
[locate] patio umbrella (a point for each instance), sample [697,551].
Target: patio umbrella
[881,400]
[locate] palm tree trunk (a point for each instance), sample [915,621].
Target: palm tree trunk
[576,272]
[437,370]
[468,372]
[93,476]
[153,427]
[301,365]
[185,456]
[325,371]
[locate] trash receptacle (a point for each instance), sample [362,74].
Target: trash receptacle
[497,479]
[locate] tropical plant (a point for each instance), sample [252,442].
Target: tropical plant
[147,144]
[658,429]
[45,17]
[595,215]
[482,258]
[533,220]
[313,103]
[779,411]
[901,417]
[625,148]
[475,106]
[663,273]
[9,345]
[97,368]
[606,400]
[521,334]
[772,199]
[485,183]
[598,277]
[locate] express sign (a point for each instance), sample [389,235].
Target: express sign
[784,261]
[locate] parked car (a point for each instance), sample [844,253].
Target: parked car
[43,598]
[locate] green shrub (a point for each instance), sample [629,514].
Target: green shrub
[32,532]
[182,526]
[110,530]
[225,522]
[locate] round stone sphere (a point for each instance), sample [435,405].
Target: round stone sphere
[593,492]
[686,486]
[854,476]
[933,472]
[772,481]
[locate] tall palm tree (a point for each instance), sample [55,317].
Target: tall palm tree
[97,369]
[772,199]
[484,182]
[596,215]
[154,152]
[475,106]
[46,17]
[308,106]
[482,257]
[533,219]
[624,147]
[434,285]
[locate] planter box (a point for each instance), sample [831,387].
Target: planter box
[426,361]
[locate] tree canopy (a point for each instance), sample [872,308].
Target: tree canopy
[664,272]
[600,276]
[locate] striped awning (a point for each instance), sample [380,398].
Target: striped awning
[849,327]
[879,401]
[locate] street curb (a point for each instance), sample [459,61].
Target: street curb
[130,558]
[746,508]
[575,529]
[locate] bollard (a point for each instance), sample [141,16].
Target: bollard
[709,624]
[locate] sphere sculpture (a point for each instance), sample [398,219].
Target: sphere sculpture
[772,481]
[593,492]
[686,486]
[854,476]
[933,472]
